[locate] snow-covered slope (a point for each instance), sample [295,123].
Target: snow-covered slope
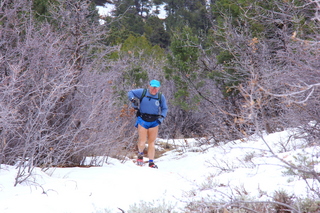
[238,168]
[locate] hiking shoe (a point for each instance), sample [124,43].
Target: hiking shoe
[152,165]
[140,160]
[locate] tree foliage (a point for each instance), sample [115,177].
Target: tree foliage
[192,13]
[137,18]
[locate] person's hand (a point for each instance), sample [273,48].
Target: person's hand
[134,101]
[160,119]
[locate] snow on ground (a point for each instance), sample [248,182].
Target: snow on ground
[207,171]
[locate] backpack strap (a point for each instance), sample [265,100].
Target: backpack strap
[143,94]
[159,97]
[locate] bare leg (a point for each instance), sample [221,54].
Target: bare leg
[152,136]
[142,138]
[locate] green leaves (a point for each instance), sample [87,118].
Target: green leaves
[142,59]
[155,32]
[183,63]
[140,47]
[185,50]
[192,13]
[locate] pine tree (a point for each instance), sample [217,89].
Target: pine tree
[183,62]
[184,12]
[155,32]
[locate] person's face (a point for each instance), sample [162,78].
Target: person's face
[153,90]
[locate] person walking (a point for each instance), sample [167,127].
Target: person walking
[151,109]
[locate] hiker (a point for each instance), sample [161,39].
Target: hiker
[151,109]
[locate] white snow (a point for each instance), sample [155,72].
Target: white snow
[185,173]
[107,10]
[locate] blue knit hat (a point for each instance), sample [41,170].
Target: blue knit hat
[155,83]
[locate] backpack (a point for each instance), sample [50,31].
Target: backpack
[143,95]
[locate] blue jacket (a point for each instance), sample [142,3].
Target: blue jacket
[150,103]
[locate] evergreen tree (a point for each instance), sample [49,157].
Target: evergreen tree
[155,32]
[183,63]
[133,18]
[138,7]
[144,62]
[41,9]
[129,15]
[185,12]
